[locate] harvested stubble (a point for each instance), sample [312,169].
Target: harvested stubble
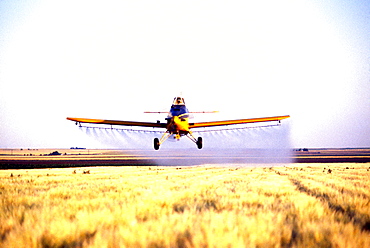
[192,207]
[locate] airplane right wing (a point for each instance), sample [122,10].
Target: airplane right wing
[234,122]
[122,123]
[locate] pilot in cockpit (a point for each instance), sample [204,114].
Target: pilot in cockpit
[178,101]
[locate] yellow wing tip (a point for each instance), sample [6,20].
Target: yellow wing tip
[85,120]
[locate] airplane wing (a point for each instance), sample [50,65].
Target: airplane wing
[122,123]
[234,122]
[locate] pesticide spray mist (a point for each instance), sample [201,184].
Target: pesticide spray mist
[247,146]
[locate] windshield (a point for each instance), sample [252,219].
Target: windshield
[177,110]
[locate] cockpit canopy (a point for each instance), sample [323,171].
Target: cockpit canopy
[178,101]
[178,108]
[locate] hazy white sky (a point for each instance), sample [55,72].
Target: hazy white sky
[115,59]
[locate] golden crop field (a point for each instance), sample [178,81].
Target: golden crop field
[305,205]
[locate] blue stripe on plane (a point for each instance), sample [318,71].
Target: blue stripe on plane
[177,110]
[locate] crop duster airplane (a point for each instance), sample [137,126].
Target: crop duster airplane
[178,124]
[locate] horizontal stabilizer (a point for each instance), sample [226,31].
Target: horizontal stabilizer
[156,112]
[197,112]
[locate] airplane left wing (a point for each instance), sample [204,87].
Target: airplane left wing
[233,122]
[122,123]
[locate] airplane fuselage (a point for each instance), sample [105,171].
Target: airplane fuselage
[178,118]
[178,124]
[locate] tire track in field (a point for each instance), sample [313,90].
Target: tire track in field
[358,219]
[342,190]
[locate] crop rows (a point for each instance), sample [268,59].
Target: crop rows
[204,206]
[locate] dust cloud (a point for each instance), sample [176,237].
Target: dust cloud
[247,146]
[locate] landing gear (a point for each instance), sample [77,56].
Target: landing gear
[200,143]
[156,144]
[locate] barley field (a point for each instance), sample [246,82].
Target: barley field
[298,205]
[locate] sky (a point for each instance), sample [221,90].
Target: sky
[116,59]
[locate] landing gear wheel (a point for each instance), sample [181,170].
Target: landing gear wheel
[200,143]
[156,144]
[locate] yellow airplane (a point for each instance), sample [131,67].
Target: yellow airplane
[178,123]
